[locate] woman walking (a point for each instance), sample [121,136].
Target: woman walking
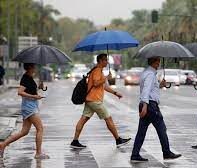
[29,111]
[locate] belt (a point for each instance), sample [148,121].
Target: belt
[152,101]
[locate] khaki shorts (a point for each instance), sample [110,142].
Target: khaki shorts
[92,107]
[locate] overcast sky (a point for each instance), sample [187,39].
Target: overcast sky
[102,11]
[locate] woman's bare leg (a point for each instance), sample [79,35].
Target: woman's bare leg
[36,121]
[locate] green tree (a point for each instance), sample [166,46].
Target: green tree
[25,18]
[71,32]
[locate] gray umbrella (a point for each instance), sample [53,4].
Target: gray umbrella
[192,47]
[42,54]
[165,49]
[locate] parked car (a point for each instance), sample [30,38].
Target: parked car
[79,72]
[133,76]
[121,74]
[172,76]
[191,77]
[80,66]
[181,75]
[137,69]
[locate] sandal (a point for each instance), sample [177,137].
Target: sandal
[42,156]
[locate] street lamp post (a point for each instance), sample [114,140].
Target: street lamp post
[8,38]
[16,28]
[41,21]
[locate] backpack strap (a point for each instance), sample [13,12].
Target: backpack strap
[88,75]
[91,70]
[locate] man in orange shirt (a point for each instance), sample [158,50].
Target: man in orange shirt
[94,103]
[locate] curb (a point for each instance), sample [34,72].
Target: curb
[7,131]
[3,89]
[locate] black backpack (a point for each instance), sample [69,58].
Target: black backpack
[81,90]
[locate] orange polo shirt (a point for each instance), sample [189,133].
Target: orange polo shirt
[96,93]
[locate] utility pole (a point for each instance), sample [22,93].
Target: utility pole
[41,22]
[8,38]
[15,48]
[16,28]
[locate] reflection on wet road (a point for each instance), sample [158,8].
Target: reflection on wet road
[60,116]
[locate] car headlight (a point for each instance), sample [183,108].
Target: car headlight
[73,75]
[128,78]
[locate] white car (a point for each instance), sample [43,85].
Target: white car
[80,66]
[133,76]
[171,76]
[183,77]
[138,69]
[79,72]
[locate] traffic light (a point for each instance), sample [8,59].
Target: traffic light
[154,15]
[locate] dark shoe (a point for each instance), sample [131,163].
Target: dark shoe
[76,145]
[194,147]
[136,159]
[171,156]
[1,153]
[120,142]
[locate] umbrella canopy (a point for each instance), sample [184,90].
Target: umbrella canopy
[192,47]
[42,54]
[165,49]
[108,39]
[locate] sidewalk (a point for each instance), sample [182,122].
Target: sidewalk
[7,125]
[11,84]
[3,88]
[9,109]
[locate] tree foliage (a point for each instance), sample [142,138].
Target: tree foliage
[177,22]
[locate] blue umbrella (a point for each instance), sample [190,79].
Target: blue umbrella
[106,40]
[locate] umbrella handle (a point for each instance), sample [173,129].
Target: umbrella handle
[169,86]
[41,86]
[44,89]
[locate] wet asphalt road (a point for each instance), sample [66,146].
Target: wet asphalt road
[59,115]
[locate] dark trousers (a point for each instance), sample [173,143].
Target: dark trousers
[1,81]
[155,117]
